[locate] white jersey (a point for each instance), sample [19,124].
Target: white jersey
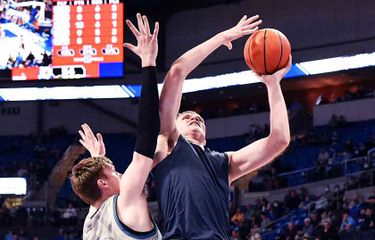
[104,224]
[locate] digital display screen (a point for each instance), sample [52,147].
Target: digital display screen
[61,39]
[13,186]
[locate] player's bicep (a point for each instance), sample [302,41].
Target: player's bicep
[249,158]
[170,99]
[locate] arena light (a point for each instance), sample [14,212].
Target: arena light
[13,186]
[338,63]
[220,81]
[190,85]
[297,70]
[58,93]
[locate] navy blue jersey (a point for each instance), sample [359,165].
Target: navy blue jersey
[193,191]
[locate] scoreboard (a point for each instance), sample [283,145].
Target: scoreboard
[87,39]
[87,42]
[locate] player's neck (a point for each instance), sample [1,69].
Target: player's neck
[195,141]
[98,203]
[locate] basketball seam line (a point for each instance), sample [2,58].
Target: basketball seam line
[281,51]
[264,51]
[251,61]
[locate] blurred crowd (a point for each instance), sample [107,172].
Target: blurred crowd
[330,215]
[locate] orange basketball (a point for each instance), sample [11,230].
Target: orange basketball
[266,51]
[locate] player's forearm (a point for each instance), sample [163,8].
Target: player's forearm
[148,125]
[170,98]
[279,123]
[192,58]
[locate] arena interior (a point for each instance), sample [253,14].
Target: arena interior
[320,187]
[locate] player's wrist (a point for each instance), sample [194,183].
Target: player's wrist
[221,36]
[147,62]
[272,84]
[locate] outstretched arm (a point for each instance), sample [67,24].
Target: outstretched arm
[148,125]
[172,90]
[134,178]
[132,205]
[263,151]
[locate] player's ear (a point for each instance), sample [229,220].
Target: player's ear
[101,183]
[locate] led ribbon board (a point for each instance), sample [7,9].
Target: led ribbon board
[191,85]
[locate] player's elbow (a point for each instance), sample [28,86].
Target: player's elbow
[280,140]
[177,71]
[284,142]
[166,129]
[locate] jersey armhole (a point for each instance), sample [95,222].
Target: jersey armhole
[128,231]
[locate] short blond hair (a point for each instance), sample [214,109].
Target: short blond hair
[84,178]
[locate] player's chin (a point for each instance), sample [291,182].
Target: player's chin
[195,128]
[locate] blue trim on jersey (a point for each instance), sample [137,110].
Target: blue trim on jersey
[121,225]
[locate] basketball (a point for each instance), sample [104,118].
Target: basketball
[266,51]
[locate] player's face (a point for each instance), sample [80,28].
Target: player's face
[112,179]
[191,124]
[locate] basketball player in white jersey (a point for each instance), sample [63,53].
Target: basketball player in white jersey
[118,206]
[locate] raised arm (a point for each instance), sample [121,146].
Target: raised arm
[172,90]
[135,176]
[263,151]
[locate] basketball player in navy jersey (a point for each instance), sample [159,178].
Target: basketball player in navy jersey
[193,182]
[118,206]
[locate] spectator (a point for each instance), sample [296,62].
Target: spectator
[327,232]
[355,205]
[308,228]
[323,156]
[264,204]
[238,218]
[371,198]
[370,217]
[347,226]
[278,209]
[306,204]
[363,220]
[315,221]
[292,200]
[322,201]
[325,217]
[235,234]
[256,236]
[69,216]
[265,221]
[291,232]
[254,231]
[254,220]
[307,237]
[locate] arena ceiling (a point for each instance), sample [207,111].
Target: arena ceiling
[162,9]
